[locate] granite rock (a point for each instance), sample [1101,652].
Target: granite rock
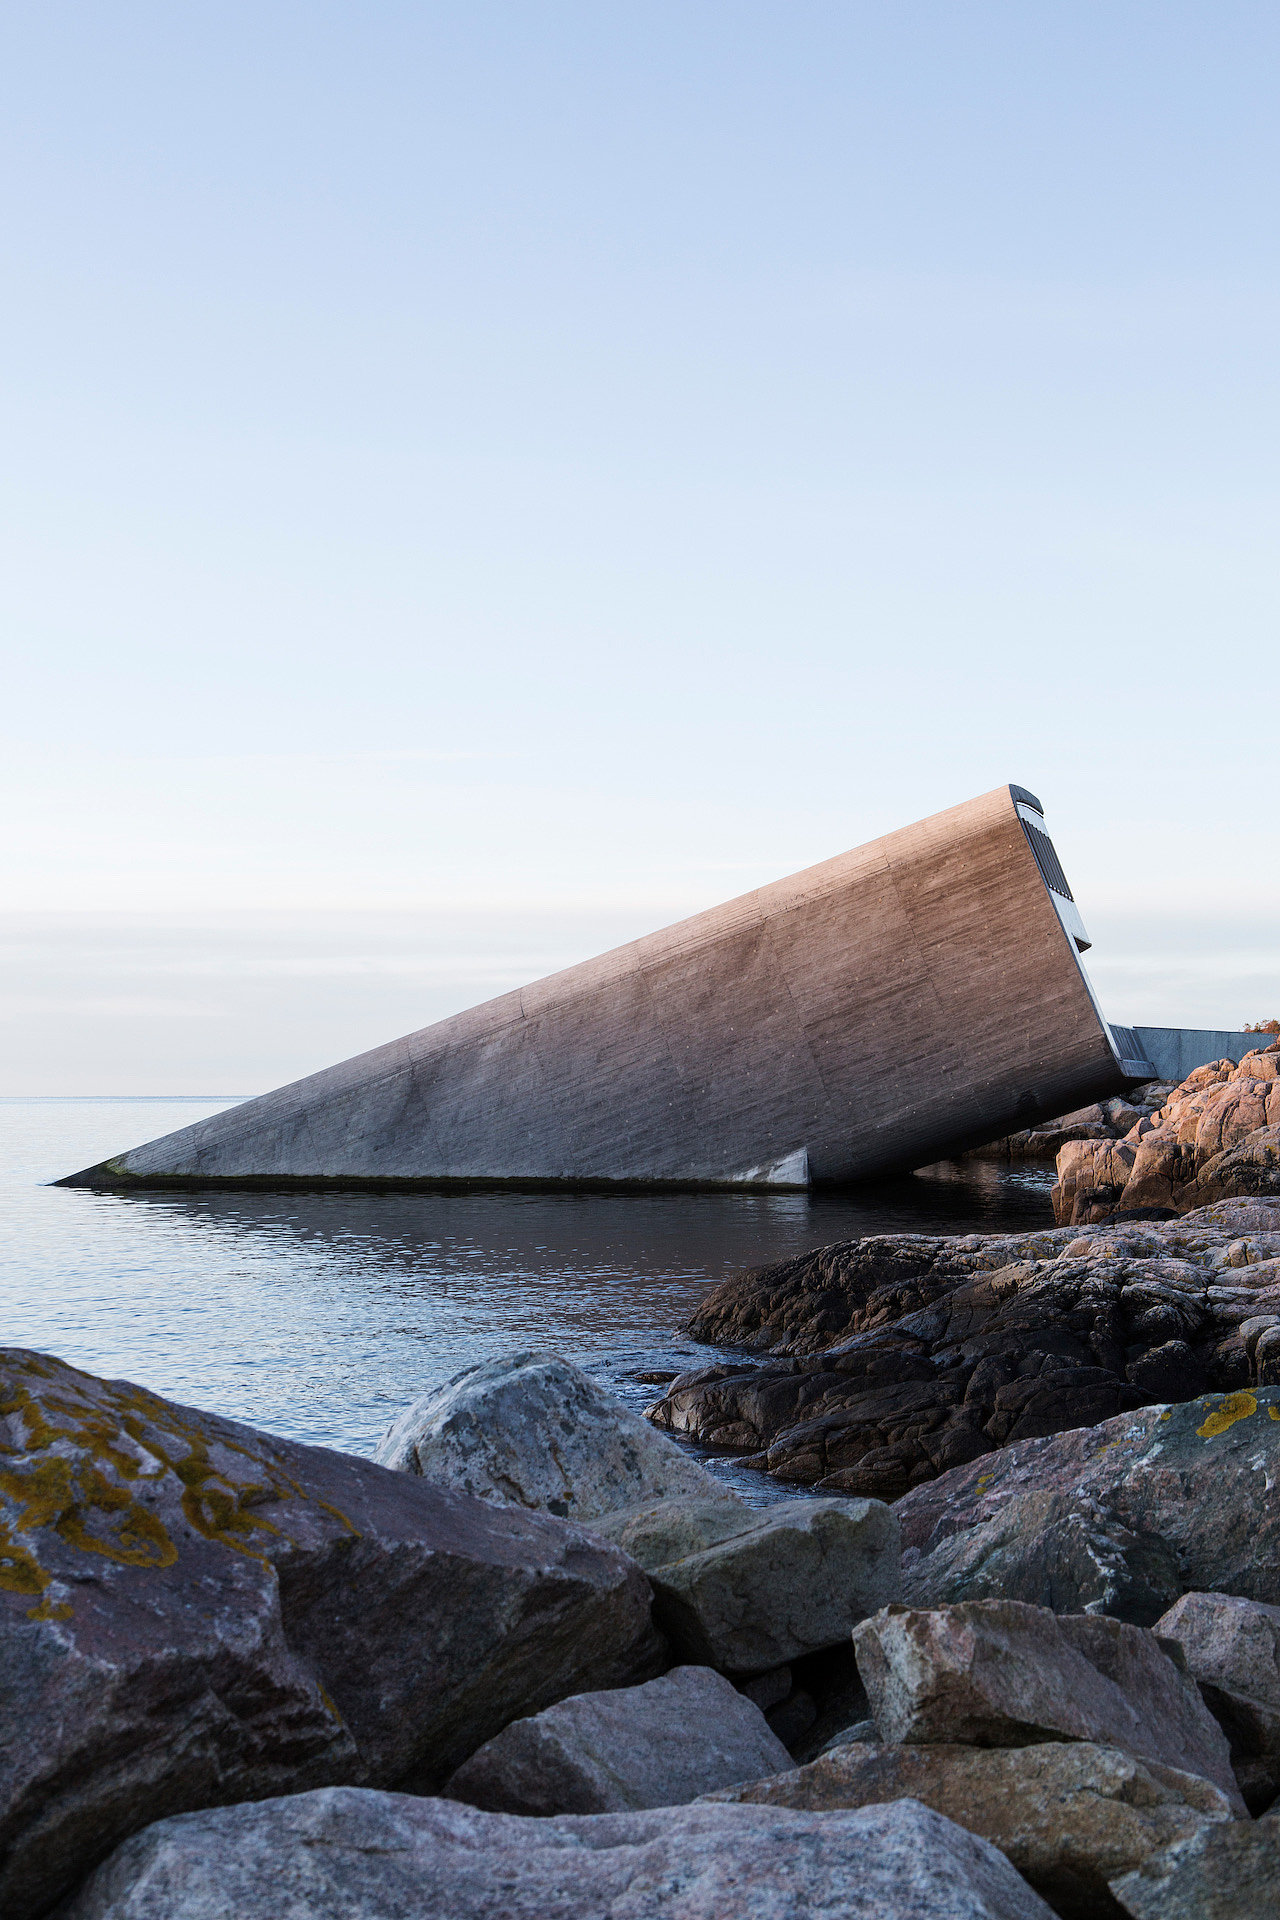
[1216,1136]
[656,1745]
[1120,1519]
[796,1581]
[999,1673]
[1069,1817]
[347,1854]
[192,1612]
[1220,1873]
[531,1430]
[1232,1650]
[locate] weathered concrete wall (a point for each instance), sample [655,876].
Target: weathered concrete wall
[908,998]
[1175,1052]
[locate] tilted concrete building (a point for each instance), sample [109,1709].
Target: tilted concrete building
[916,996]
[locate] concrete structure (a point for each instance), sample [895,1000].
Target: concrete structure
[911,998]
[1175,1052]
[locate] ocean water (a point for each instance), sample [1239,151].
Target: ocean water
[319,1316]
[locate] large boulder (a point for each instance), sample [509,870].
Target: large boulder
[998,1673]
[192,1612]
[346,1854]
[656,1745]
[1068,1817]
[1232,1650]
[531,1430]
[735,1587]
[1122,1518]
[1221,1873]
[794,1582]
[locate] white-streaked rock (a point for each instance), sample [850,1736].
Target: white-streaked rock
[532,1430]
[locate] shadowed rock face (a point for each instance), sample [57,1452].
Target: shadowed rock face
[901,1357]
[382,1856]
[1217,1874]
[1232,1648]
[192,1612]
[657,1745]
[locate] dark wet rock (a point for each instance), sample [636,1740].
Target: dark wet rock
[192,1612]
[344,1854]
[998,1673]
[1120,1519]
[1103,1120]
[1232,1650]
[1069,1817]
[899,1358]
[657,1745]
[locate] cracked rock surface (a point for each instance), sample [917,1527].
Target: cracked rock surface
[896,1358]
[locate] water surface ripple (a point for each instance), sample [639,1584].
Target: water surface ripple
[319,1316]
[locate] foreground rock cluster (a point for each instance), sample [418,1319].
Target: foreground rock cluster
[542,1664]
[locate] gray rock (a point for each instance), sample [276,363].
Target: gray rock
[346,1854]
[192,1612]
[1232,1650]
[1221,1873]
[656,1745]
[1069,1817]
[1120,1518]
[531,1430]
[797,1580]
[656,1533]
[998,1673]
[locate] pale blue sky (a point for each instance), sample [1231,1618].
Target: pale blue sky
[483,480]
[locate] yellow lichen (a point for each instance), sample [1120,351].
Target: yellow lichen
[1236,1406]
[77,1491]
[50,1610]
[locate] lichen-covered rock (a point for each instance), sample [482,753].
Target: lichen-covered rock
[657,1745]
[1120,1518]
[1069,1817]
[531,1430]
[998,1673]
[1220,1873]
[1232,1650]
[951,1349]
[344,1854]
[192,1612]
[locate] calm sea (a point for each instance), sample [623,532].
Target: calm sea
[320,1316]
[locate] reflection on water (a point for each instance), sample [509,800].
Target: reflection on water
[320,1315]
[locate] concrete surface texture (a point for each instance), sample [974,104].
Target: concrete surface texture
[1175,1052]
[907,999]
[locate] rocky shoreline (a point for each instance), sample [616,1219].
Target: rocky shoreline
[1019,1656]
[535,1660]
